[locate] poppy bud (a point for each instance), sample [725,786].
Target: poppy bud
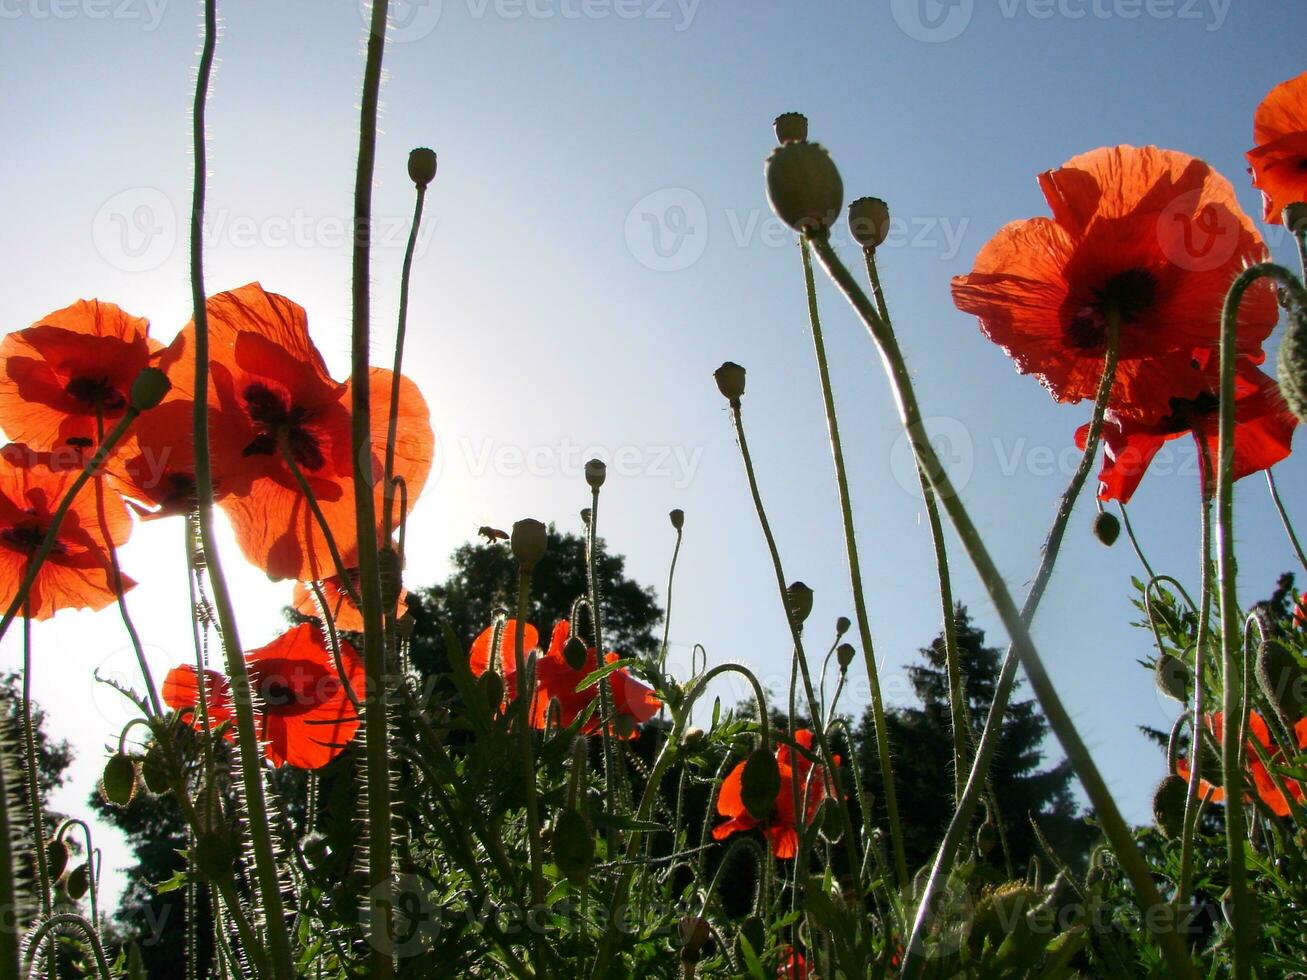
[625,726]
[1291,364]
[154,771]
[845,653]
[1173,678]
[798,597]
[828,820]
[574,846]
[759,783]
[693,739]
[391,577]
[78,883]
[791,127]
[1282,679]
[529,540]
[730,382]
[422,166]
[1107,528]
[1168,806]
[1295,218]
[149,388]
[316,849]
[869,222]
[585,516]
[118,784]
[492,685]
[575,653]
[596,471]
[56,857]
[678,518]
[693,933]
[212,856]
[804,187]
[986,837]
[842,625]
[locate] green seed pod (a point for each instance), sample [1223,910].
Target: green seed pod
[149,388]
[986,837]
[1174,679]
[212,856]
[842,625]
[799,599]
[730,382]
[575,653]
[118,784]
[869,222]
[791,127]
[845,653]
[529,541]
[574,846]
[56,857]
[760,782]
[596,472]
[1291,364]
[1168,806]
[1107,528]
[422,166]
[1282,679]
[804,187]
[829,822]
[154,770]
[677,518]
[79,882]
[692,933]
[1295,217]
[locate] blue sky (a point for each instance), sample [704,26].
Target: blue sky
[598,241]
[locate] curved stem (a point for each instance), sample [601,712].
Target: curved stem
[32,770]
[69,919]
[855,579]
[1114,825]
[1284,519]
[667,613]
[251,755]
[1134,541]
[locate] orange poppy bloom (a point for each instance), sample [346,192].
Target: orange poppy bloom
[793,966]
[1262,782]
[276,402]
[345,613]
[483,656]
[77,573]
[781,828]
[1263,434]
[1150,237]
[303,713]
[1279,162]
[57,375]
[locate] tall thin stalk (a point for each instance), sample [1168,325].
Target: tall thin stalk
[1284,518]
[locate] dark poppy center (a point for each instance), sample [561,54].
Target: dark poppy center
[1190,413]
[96,393]
[277,694]
[26,538]
[276,421]
[1128,295]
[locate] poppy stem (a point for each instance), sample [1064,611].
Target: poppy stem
[1284,519]
[667,614]
[1134,541]
[524,702]
[855,582]
[342,573]
[1243,915]
[9,945]
[251,754]
[333,643]
[1116,829]
[32,771]
[611,788]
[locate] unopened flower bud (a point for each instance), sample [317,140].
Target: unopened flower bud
[1295,218]
[791,127]
[149,388]
[842,625]
[986,837]
[422,166]
[693,739]
[798,597]
[78,882]
[1291,364]
[575,653]
[693,933]
[1168,806]
[678,518]
[56,857]
[573,845]
[596,471]
[845,653]
[1282,679]
[760,781]
[529,540]
[869,222]
[730,382]
[1173,678]
[804,187]
[585,516]
[1107,528]
[118,784]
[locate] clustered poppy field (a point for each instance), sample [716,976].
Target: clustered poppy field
[547,784]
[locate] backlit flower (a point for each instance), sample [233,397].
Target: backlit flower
[341,605]
[1279,162]
[1261,780]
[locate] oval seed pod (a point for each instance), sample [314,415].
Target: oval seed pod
[760,782]
[118,783]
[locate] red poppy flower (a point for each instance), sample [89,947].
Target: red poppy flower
[1152,237]
[1263,434]
[556,683]
[1279,163]
[780,827]
[483,656]
[345,613]
[57,375]
[793,966]
[303,713]
[1300,612]
[1261,779]
[77,574]
[274,399]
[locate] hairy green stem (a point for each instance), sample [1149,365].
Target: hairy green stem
[1284,519]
